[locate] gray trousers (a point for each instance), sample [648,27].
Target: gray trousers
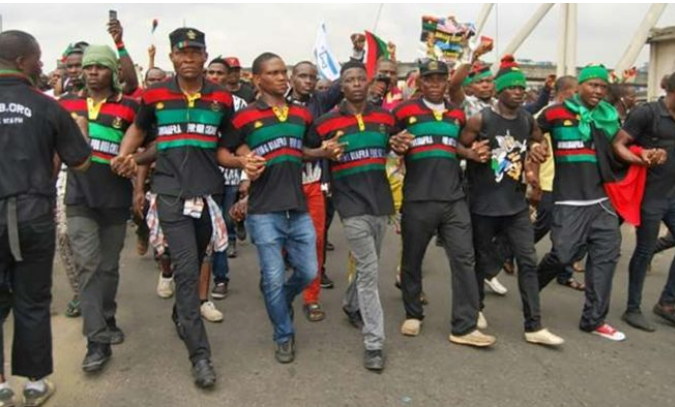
[595,227]
[96,245]
[365,234]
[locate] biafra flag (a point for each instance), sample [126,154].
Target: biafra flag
[376,48]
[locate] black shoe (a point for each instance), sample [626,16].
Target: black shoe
[98,354]
[666,312]
[285,352]
[637,320]
[205,375]
[329,247]
[374,360]
[116,335]
[326,282]
[231,251]
[179,327]
[240,230]
[354,317]
[220,290]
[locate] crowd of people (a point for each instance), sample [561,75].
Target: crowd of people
[200,157]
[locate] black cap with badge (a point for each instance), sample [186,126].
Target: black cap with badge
[187,37]
[430,67]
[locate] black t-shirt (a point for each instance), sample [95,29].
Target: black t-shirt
[33,127]
[99,187]
[359,178]
[245,92]
[652,126]
[187,137]
[432,167]
[280,141]
[577,175]
[496,187]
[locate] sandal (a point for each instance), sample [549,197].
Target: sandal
[574,284]
[314,312]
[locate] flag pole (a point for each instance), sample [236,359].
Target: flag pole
[377,18]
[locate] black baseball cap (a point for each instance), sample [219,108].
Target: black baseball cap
[430,67]
[187,37]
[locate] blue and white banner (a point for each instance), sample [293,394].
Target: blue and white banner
[326,63]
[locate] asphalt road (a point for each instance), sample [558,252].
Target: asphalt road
[151,368]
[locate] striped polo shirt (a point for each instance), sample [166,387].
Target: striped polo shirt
[99,187]
[278,135]
[577,175]
[432,167]
[359,178]
[188,129]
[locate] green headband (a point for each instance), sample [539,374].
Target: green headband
[102,55]
[594,72]
[509,79]
[477,77]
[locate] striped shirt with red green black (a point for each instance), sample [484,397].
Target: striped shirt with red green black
[569,144]
[181,123]
[435,137]
[279,138]
[360,184]
[269,137]
[577,175]
[432,167]
[107,131]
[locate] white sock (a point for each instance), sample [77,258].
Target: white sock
[38,385]
[4,386]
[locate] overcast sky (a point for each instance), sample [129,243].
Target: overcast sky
[604,30]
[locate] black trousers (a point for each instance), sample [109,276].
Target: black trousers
[517,229]
[187,238]
[596,229]
[26,289]
[419,222]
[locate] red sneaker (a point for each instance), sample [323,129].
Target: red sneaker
[606,331]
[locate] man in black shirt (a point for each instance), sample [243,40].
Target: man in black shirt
[497,194]
[651,125]
[189,113]
[270,139]
[33,129]
[98,201]
[233,82]
[433,200]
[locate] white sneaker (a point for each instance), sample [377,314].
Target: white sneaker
[165,286]
[411,327]
[210,312]
[475,338]
[544,337]
[496,286]
[482,322]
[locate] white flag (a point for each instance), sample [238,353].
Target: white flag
[326,62]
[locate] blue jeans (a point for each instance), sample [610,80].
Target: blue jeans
[221,267]
[646,236]
[273,233]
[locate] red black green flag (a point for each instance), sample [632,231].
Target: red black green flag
[376,49]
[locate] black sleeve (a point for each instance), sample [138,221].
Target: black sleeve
[312,137]
[232,137]
[70,145]
[145,118]
[399,125]
[543,124]
[226,119]
[639,123]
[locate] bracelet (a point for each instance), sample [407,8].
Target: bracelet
[119,45]
[122,52]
